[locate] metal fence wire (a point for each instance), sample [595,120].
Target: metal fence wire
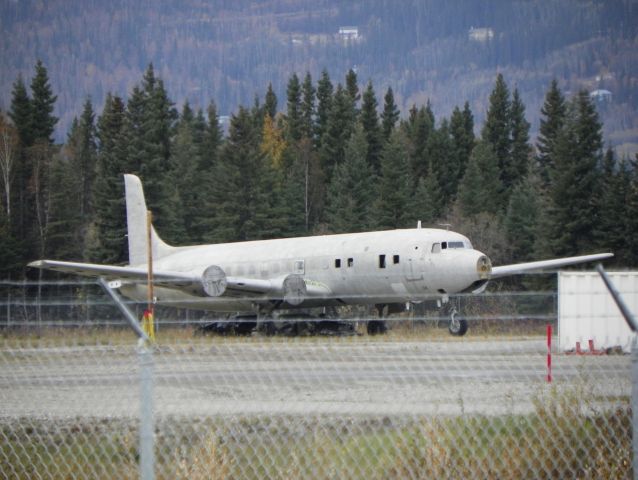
[87,400]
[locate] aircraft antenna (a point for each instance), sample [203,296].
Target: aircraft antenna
[418,224]
[446,225]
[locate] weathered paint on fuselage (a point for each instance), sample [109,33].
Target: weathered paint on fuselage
[347,268]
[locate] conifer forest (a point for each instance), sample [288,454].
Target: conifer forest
[334,155]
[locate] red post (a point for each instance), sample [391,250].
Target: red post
[549,353]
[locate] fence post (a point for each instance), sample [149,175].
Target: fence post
[634,405]
[147,447]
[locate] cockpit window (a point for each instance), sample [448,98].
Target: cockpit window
[437,247]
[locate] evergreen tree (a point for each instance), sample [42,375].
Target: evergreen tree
[480,189]
[339,128]
[497,130]
[11,254]
[307,107]
[392,205]
[426,202]
[370,122]
[20,113]
[293,113]
[610,231]
[462,132]
[42,104]
[270,102]
[352,189]
[107,242]
[631,217]
[443,162]
[324,106]
[352,88]
[242,197]
[577,153]
[521,149]
[419,127]
[83,163]
[521,220]
[554,113]
[390,114]
[185,157]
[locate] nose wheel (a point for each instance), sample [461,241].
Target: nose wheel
[457,325]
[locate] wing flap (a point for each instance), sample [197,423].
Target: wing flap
[522,268]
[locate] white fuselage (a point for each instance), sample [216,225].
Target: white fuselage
[358,268]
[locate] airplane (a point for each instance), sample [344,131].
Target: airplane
[387,269]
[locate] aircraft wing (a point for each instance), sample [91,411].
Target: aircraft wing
[213,282]
[522,268]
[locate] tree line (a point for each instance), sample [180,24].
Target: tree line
[328,159]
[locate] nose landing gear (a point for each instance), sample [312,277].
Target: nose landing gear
[457,325]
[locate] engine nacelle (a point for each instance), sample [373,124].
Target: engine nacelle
[214,281]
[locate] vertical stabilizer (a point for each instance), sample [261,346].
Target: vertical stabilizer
[136,212]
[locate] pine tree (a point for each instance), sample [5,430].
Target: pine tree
[324,106]
[610,230]
[352,189]
[85,159]
[42,104]
[242,201]
[520,148]
[20,113]
[270,102]
[370,122]
[307,107]
[497,129]
[426,202]
[577,152]
[352,88]
[631,218]
[419,127]
[293,112]
[107,243]
[443,163]
[339,128]
[554,113]
[462,132]
[521,220]
[390,114]
[391,207]
[481,189]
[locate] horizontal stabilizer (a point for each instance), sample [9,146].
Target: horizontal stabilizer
[522,268]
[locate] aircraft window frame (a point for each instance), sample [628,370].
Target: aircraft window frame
[382,263]
[456,244]
[350,262]
[337,263]
[396,259]
[436,247]
[300,267]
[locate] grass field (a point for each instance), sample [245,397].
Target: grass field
[556,441]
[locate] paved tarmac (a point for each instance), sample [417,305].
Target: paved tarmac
[305,376]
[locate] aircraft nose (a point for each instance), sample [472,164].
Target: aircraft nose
[484,267]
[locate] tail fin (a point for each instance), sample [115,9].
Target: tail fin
[136,222]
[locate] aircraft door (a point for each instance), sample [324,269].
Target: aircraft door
[416,264]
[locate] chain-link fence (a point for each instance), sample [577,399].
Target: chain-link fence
[80,398]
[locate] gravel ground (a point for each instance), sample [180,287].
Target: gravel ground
[326,376]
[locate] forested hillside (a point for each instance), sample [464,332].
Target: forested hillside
[332,155]
[227,51]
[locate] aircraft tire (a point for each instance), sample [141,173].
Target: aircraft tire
[376,327]
[457,326]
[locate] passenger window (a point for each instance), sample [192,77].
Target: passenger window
[350,262]
[395,259]
[436,248]
[443,245]
[337,263]
[381,261]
